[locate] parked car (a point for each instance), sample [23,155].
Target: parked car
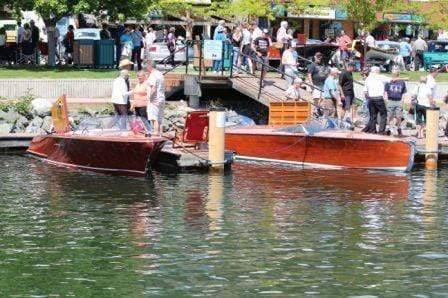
[11,30]
[158,51]
[437,54]
[87,33]
[384,54]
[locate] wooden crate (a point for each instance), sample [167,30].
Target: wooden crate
[289,112]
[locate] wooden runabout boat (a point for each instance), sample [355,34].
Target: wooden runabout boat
[309,145]
[107,145]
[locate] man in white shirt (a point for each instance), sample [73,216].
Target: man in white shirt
[150,38]
[374,93]
[424,100]
[246,47]
[419,47]
[20,33]
[370,40]
[431,81]
[256,31]
[155,90]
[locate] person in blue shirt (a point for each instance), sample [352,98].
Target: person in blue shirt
[137,42]
[331,102]
[405,51]
[220,35]
[126,44]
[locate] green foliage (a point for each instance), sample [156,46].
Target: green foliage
[22,105]
[251,9]
[58,8]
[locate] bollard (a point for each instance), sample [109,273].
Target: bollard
[216,135]
[432,138]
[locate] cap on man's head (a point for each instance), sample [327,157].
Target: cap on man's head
[334,70]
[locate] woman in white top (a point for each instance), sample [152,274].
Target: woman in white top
[293,92]
[121,89]
[423,96]
[289,61]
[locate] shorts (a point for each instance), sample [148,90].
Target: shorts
[395,109]
[263,59]
[247,50]
[317,94]
[421,114]
[328,106]
[155,111]
[345,55]
[348,101]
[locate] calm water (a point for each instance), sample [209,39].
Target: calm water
[260,230]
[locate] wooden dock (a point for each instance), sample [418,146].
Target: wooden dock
[181,159]
[15,142]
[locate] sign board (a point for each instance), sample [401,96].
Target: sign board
[406,18]
[212,49]
[323,13]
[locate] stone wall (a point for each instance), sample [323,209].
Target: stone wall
[52,88]
[72,88]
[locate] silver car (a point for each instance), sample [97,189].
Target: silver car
[158,51]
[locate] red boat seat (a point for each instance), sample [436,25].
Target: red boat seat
[196,128]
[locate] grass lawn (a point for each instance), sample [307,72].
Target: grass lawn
[58,73]
[74,73]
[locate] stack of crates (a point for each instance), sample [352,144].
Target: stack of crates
[289,112]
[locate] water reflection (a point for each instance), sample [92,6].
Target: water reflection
[260,230]
[214,207]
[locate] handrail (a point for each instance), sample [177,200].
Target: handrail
[281,72]
[165,60]
[277,70]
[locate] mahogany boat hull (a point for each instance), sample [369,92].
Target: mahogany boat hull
[322,150]
[114,155]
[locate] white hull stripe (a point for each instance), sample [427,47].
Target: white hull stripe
[69,165]
[315,165]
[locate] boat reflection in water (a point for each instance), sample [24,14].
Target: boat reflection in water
[292,183]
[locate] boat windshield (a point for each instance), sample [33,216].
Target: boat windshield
[113,125]
[311,127]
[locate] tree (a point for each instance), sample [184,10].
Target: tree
[188,11]
[53,10]
[250,9]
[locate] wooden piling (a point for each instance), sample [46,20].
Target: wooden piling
[216,136]
[432,138]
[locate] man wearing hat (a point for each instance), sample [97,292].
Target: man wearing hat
[331,103]
[317,74]
[121,91]
[293,91]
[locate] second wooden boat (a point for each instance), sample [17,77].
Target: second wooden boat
[334,149]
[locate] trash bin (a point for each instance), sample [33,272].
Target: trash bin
[83,53]
[105,53]
[228,56]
